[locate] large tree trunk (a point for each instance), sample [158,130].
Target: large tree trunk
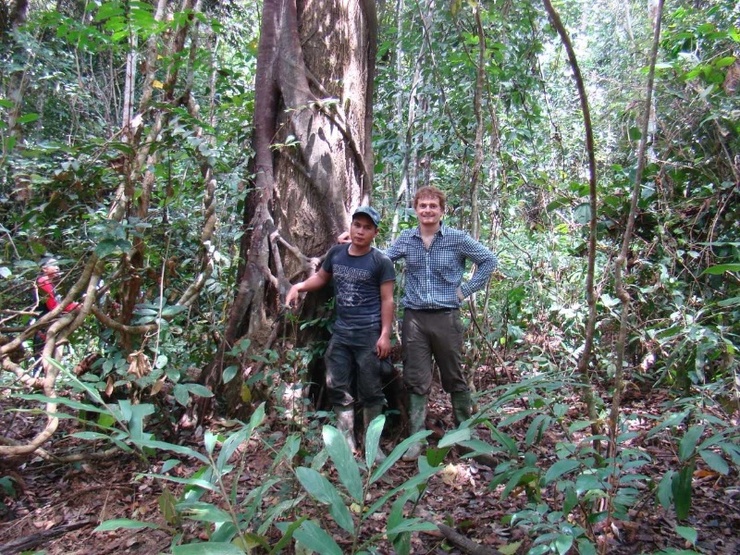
[312,165]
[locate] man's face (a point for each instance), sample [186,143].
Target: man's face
[429,211]
[51,270]
[362,231]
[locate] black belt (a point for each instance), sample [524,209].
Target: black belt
[432,310]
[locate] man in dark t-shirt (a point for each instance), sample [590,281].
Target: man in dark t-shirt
[363,287]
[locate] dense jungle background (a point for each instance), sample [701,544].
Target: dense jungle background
[185,161]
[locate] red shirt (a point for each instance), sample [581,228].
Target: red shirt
[46,285]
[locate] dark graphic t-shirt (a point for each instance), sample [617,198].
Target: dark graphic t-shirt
[357,282]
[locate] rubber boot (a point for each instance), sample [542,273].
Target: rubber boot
[460,406]
[417,416]
[368,415]
[346,424]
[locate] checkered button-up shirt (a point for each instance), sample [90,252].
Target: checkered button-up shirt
[433,275]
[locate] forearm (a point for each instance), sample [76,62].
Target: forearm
[483,270]
[314,283]
[387,309]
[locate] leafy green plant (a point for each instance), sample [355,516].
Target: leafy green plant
[592,488]
[230,524]
[706,438]
[233,525]
[347,505]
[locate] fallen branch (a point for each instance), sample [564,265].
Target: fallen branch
[29,542]
[465,543]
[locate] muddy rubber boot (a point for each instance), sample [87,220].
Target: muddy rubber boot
[368,415]
[460,406]
[346,424]
[417,416]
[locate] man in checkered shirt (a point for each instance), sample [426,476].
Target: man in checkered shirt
[435,257]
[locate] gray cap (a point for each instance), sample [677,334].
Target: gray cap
[370,212]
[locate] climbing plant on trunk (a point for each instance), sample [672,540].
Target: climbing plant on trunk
[312,164]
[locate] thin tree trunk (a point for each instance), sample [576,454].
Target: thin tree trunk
[585,357]
[621,262]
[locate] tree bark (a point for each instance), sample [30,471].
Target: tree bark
[312,165]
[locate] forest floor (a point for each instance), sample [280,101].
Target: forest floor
[56,507]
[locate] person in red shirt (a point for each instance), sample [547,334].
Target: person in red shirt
[48,300]
[46,283]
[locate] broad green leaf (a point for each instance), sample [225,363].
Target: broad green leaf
[416,483]
[674,419]
[28,118]
[323,491]
[396,514]
[229,373]
[289,450]
[209,548]
[732,301]
[206,512]
[179,449]
[721,269]
[539,424]
[681,489]
[454,437]
[125,523]
[372,439]
[586,547]
[510,548]
[171,310]
[136,414]
[563,543]
[587,482]
[197,485]
[479,447]
[198,389]
[715,462]
[106,247]
[181,394]
[287,529]
[341,455]
[314,537]
[688,442]
[279,511]
[169,465]
[521,477]
[514,418]
[508,443]
[412,525]
[396,454]
[688,533]
[229,446]
[226,532]
[209,441]
[62,401]
[91,435]
[571,499]
[559,468]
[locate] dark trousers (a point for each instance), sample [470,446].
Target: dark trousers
[351,362]
[427,334]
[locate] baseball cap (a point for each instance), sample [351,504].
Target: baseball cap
[370,212]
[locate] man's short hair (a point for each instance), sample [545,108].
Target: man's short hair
[429,191]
